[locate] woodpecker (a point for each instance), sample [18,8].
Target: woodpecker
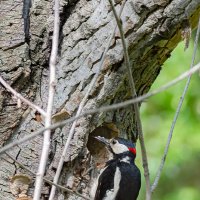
[121,178]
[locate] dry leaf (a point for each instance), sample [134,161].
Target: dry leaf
[60,116]
[186,32]
[38,117]
[19,185]
[24,198]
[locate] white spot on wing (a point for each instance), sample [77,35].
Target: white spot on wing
[111,194]
[125,159]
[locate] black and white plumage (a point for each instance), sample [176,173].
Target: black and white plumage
[120,179]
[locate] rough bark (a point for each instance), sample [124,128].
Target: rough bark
[152,28]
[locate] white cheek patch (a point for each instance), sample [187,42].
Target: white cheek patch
[119,148]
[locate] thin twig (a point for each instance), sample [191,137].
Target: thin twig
[158,174]
[19,96]
[72,130]
[45,179]
[136,107]
[52,82]
[104,108]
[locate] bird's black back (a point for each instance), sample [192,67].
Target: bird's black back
[129,184]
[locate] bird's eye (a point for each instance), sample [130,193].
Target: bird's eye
[113,141]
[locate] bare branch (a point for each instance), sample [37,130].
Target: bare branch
[71,132]
[45,179]
[158,174]
[104,108]
[19,96]
[135,105]
[52,82]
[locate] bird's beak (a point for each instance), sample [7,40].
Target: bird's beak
[103,140]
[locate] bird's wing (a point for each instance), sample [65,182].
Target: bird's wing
[105,183]
[130,182]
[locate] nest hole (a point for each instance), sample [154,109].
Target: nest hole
[97,149]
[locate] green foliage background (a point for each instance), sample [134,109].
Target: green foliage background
[180,179]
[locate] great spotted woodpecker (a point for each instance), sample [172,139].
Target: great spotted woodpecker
[121,178]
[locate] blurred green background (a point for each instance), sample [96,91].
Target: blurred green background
[180,179]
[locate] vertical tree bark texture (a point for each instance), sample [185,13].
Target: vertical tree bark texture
[152,28]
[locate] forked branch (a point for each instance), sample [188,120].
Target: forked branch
[19,96]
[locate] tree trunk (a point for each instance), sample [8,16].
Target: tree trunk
[152,28]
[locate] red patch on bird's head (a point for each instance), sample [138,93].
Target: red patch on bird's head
[132,150]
